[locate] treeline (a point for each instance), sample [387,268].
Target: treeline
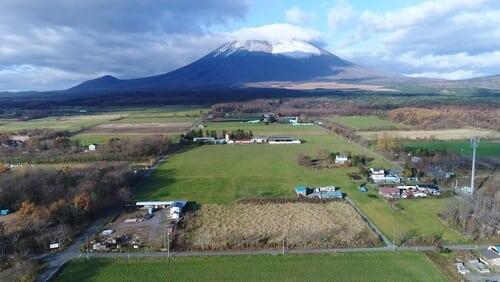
[448,116]
[478,216]
[57,147]
[297,107]
[51,205]
[238,134]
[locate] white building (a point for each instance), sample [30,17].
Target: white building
[259,139]
[92,147]
[378,175]
[341,159]
[282,140]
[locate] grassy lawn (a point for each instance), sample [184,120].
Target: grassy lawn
[487,148]
[366,122]
[418,214]
[221,174]
[338,267]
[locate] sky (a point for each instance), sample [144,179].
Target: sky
[48,45]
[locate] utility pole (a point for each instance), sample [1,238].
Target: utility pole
[168,245]
[164,235]
[393,239]
[474,143]
[283,248]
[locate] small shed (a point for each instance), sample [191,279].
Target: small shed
[92,147]
[331,195]
[301,190]
[363,189]
[341,159]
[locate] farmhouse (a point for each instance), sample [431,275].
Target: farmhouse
[379,175]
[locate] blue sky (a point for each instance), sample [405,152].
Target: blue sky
[56,44]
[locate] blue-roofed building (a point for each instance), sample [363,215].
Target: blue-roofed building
[302,190]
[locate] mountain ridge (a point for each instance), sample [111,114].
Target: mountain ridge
[239,62]
[244,63]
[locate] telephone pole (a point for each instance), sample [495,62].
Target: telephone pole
[474,143]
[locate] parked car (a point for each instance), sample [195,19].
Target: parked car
[461,268]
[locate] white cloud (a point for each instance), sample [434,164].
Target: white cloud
[408,16]
[296,15]
[454,75]
[445,39]
[277,31]
[339,15]
[452,61]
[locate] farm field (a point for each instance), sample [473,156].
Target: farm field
[71,123]
[222,174]
[171,122]
[444,134]
[487,148]
[418,214]
[403,266]
[261,129]
[253,225]
[366,122]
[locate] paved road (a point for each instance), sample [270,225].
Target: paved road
[277,251]
[55,261]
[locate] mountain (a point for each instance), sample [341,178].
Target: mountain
[245,62]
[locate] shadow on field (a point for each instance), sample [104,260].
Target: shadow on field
[193,206]
[80,270]
[155,186]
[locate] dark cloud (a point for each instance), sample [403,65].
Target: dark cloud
[57,43]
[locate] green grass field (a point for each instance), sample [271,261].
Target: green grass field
[222,174]
[338,267]
[487,148]
[366,122]
[417,214]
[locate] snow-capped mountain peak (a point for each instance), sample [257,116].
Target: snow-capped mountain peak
[291,48]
